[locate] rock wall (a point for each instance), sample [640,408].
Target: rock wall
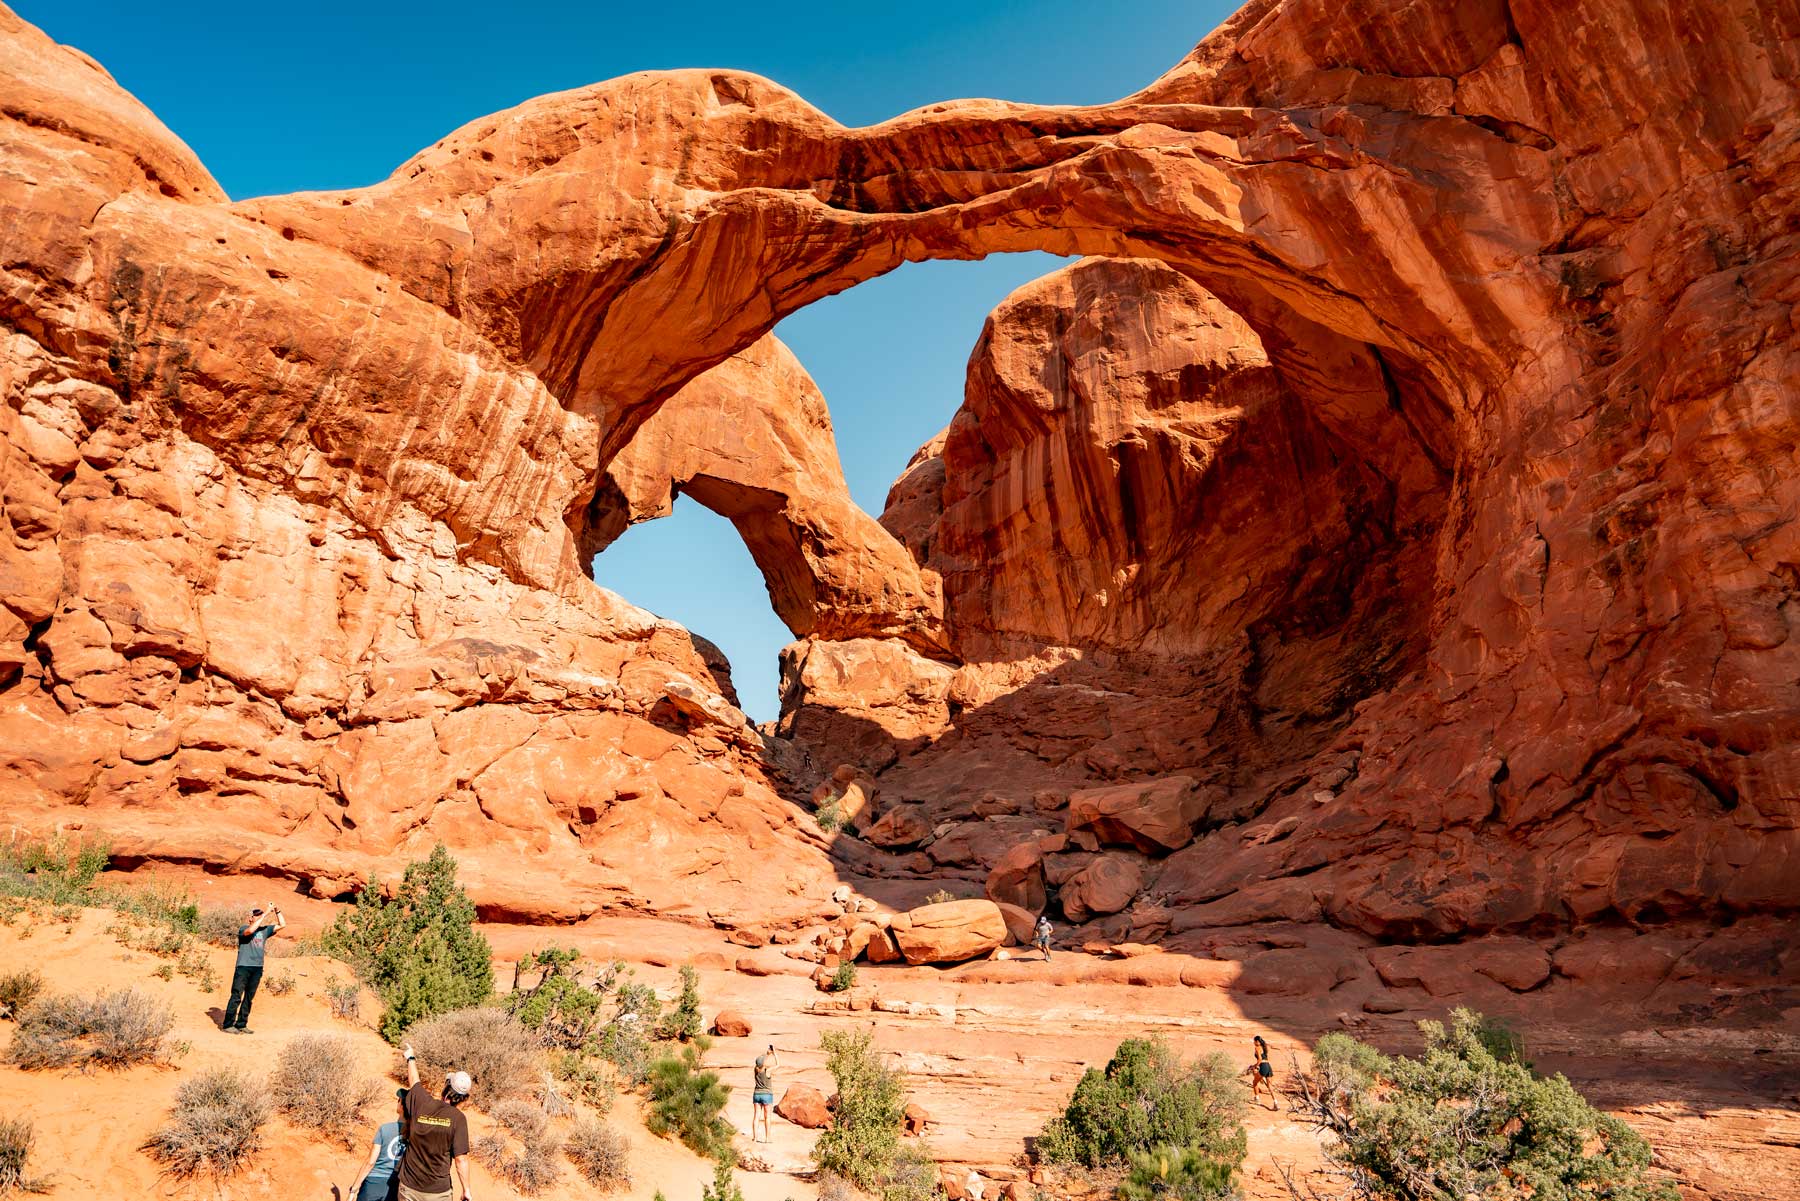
[310,480]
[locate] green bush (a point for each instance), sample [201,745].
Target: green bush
[1460,1121]
[863,1145]
[16,1139]
[1148,1097]
[844,979]
[939,896]
[625,1041]
[419,951]
[17,991]
[688,1101]
[1177,1174]
[115,1030]
[220,927]
[59,870]
[214,1129]
[683,1022]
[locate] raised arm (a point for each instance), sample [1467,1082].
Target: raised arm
[412,1066]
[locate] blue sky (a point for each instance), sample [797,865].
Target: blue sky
[334,94]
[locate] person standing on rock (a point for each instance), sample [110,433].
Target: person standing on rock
[1041,936]
[762,1099]
[1262,1072]
[379,1178]
[253,936]
[436,1134]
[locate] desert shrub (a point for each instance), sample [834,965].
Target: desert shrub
[625,1041]
[683,1022]
[724,1184]
[525,1121]
[59,870]
[939,896]
[601,1155]
[863,1143]
[1177,1174]
[487,1043]
[345,999]
[280,984]
[219,927]
[17,991]
[833,1187]
[830,816]
[317,1084]
[214,1129]
[1461,1121]
[530,1166]
[419,951]
[687,1101]
[1149,1097]
[115,1030]
[584,1080]
[557,1007]
[844,979]
[16,1139]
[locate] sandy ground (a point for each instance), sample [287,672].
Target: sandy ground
[991,1051]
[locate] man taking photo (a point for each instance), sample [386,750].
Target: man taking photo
[253,935]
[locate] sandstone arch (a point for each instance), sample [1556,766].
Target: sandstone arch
[1570,273]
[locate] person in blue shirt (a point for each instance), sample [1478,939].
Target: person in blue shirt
[380,1177]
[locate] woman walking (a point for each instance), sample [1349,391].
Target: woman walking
[1262,1073]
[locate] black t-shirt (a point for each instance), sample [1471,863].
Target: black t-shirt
[436,1133]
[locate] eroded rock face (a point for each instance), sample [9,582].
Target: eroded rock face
[1470,386]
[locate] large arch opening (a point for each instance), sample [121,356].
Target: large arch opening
[889,360]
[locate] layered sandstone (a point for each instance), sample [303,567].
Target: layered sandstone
[1445,525]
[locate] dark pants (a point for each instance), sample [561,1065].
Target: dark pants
[243,991]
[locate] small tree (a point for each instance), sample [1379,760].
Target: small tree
[863,1143]
[1148,1097]
[1460,1121]
[557,1007]
[724,1185]
[683,1022]
[687,1101]
[420,950]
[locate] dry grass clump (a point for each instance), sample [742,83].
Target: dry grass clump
[317,1084]
[214,1129]
[220,926]
[345,999]
[280,984]
[490,1044]
[525,1121]
[601,1155]
[531,1168]
[115,1030]
[16,1138]
[17,990]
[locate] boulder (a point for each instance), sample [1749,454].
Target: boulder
[904,825]
[1020,923]
[1155,816]
[949,932]
[882,948]
[916,1118]
[804,1106]
[731,1024]
[1018,879]
[852,791]
[1106,885]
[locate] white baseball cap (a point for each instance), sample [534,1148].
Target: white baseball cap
[459,1082]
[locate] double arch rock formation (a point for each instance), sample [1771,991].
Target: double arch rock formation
[300,491]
